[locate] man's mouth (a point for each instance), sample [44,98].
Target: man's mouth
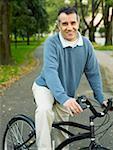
[70,34]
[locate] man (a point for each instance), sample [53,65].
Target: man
[67,55]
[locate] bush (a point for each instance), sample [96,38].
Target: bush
[102,31]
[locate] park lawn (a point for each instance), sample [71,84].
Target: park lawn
[103,48]
[23,62]
[22,52]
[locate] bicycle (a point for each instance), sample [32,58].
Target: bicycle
[20,130]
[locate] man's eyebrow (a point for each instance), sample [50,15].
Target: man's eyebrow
[64,21]
[67,21]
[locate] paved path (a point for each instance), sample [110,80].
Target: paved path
[106,62]
[18,99]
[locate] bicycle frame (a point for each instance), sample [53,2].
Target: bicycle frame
[89,133]
[74,137]
[90,128]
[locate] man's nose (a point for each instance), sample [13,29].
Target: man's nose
[69,27]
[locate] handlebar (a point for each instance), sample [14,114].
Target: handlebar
[85,103]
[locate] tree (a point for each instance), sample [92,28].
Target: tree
[0,28]
[5,52]
[107,7]
[28,17]
[39,12]
[94,11]
[22,21]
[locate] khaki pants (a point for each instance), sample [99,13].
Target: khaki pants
[46,112]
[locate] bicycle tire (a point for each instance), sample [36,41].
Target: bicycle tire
[86,148]
[19,134]
[96,148]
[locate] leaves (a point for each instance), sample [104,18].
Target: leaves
[9,74]
[29,17]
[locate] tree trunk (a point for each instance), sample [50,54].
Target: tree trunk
[5,52]
[90,26]
[92,33]
[0,26]
[108,24]
[108,34]
[28,39]
[15,37]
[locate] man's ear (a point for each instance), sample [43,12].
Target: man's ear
[58,25]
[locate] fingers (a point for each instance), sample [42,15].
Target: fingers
[105,103]
[73,107]
[70,112]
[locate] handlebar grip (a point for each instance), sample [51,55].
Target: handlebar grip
[109,106]
[82,102]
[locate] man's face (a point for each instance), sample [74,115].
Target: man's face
[68,26]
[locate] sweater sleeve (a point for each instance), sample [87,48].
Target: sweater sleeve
[51,72]
[92,72]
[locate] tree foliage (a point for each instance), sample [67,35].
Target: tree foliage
[20,18]
[29,17]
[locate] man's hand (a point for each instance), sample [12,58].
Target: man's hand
[105,103]
[73,106]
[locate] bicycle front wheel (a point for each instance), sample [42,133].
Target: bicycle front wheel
[19,134]
[95,148]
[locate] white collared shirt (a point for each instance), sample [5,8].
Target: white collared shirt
[66,43]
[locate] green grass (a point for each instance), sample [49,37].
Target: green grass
[103,48]
[8,72]
[22,52]
[22,57]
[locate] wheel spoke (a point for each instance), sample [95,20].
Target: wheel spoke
[18,135]
[15,134]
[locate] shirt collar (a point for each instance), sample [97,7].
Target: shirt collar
[66,43]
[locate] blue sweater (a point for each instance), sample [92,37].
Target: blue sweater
[63,69]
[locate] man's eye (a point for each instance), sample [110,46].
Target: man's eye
[73,23]
[65,23]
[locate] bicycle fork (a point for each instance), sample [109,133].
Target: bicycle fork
[92,128]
